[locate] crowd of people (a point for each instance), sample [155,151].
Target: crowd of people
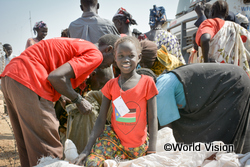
[110,89]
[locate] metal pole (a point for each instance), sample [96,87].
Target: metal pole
[183,38]
[30,25]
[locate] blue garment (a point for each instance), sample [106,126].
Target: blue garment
[171,97]
[91,27]
[231,17]
[200,20]
[157,14]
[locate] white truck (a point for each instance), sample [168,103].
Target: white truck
[183,25]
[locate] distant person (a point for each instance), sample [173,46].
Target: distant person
[6,56]
[122,20]
[5,59]
[65,33]
[223,41]
[127,136]
[204,12]
[91,26]
[136,33]
[42,75]
[41,30]
[243,20]
[157,18]
[160,36]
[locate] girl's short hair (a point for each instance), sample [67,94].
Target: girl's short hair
[132,39]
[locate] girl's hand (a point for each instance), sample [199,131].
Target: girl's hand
[80,159]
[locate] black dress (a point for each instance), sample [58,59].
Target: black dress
[217,105]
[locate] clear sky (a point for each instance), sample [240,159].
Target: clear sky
[15,26]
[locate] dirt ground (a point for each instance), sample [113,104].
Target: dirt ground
[8,150]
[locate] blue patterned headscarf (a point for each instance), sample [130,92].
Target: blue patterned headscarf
[157,14]
[39,25]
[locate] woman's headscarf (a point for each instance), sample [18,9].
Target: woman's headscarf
[242,19]
[149,53]
[157,14]
[165,61]
[169,61]
[121,12]
[39,25]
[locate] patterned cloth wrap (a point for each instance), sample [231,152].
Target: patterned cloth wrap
[196,56]
[39,25]
[123,12]
[157,14]
[165,61]
[171,43]
[108,146]
[230,45]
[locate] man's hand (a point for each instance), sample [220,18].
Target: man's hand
[64,100]
[84,106]
[80,159]
[199,9]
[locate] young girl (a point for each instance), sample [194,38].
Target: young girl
[133,97]
[41,29]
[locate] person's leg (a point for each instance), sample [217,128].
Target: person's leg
[106,147]
[38,122]
[136,152]
[43,135]
[16,127]
[101,150]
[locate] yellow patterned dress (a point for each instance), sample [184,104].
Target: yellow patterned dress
[108,146]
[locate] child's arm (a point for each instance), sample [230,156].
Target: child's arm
[96,132]
[152,124]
